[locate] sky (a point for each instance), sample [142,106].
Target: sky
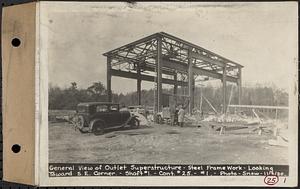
[260,36]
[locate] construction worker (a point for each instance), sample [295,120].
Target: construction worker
[181,113]
[176,115]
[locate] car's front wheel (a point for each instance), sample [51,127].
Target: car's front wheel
[80,124]
[135,123]
[98,128]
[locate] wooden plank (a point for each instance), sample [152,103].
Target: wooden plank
[259,107]
[212,107]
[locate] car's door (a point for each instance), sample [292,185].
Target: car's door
[115,115]
[102,112]
[125,116]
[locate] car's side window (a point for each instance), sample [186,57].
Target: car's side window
[101,108]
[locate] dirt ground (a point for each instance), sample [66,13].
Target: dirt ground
[163,144]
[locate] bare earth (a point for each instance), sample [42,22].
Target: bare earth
[163,144]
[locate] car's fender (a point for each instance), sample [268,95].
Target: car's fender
[134,122]
[133,117]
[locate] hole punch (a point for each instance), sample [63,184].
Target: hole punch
[16,42]
[16,148]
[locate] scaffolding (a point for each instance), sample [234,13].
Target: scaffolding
[165,59]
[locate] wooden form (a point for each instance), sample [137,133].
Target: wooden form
[159,55]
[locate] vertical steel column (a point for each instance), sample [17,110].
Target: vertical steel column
[159,75]
[191,82]
[139,81]
[239,85]
[224,89]
[175,89]
[175,85]
[108,80]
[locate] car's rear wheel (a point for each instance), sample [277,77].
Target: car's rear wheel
[135,123]
[98,128]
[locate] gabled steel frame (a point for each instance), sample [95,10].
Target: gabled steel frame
[163,58]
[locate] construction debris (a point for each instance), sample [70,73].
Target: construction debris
[280,141]
[281,134]
[61,115]
[232,118]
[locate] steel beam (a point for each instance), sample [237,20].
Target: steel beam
[127,59]
[108,80]
[191,82]
[224,89]
[206,59]
[172,64]
[175,84]
[198,71]
[175,88]
[143,40]
[196,47]
[147,67]
[159,75]
[239,85]
[139,81]
[133,75]
[152,69]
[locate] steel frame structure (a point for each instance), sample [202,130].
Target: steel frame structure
[165,59]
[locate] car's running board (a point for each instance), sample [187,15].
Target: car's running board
[115,127]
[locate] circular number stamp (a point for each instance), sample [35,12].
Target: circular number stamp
[271,179]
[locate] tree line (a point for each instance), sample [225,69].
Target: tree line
[68,98]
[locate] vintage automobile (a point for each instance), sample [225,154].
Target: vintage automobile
[96,117]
